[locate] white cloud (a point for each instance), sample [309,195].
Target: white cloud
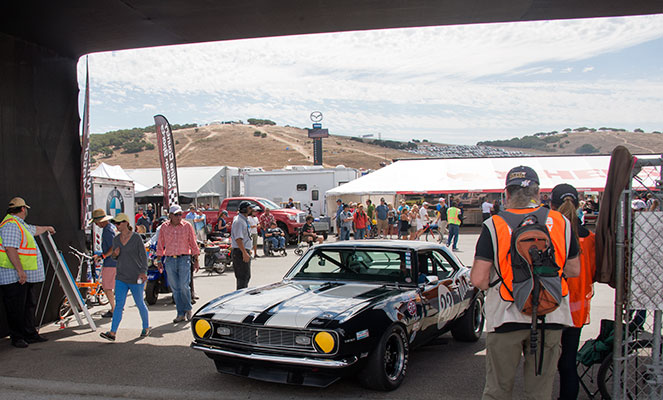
[398,81]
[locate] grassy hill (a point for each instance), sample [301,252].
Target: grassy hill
[273,146]
[267,146]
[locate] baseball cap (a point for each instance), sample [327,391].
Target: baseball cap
[17,202]
[561,192]
[175,209]
[521,176]
[99,215]
[121,217]
[244,205]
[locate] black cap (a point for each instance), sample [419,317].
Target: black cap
[521,176]
[561,192]
[244,206]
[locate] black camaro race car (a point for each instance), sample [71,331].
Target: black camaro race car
[352,307]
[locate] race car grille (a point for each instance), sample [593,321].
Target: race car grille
[264,337]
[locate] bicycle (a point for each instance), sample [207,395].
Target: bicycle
[433,231]
[91,291]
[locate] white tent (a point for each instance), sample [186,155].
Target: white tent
[115,172]
[460,175]
[202,183]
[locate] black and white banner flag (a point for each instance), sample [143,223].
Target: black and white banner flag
[86,178]
[168,164]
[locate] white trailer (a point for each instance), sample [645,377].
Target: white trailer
[305,184]
[114,196]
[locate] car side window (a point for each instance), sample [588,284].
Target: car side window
[426,265]
[444,267]
[233,205]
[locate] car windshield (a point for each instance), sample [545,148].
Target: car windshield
[366,265]
[269,204]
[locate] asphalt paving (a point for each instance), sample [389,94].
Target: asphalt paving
[78,364]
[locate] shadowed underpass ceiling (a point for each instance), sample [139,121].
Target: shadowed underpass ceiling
[77,27]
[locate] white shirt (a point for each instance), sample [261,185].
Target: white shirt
[486,207]
[423,214]
[253,225]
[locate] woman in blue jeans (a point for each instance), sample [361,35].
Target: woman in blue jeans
[129,251]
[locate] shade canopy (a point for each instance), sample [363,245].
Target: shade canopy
[586,173]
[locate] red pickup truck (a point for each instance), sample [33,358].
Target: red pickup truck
[288,219]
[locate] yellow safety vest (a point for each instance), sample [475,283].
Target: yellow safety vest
[27,252]
[452,215]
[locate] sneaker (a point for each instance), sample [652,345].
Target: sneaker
[179,318]
[20,343]
[193,300]
[36,339]
[107,314]
[188,315]
[145,332]
[108,336]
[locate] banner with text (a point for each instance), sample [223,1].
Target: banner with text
[86,178]
[168,164]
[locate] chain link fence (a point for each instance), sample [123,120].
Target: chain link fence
[637,368]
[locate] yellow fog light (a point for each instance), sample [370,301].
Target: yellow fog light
[325,341]
[203,328]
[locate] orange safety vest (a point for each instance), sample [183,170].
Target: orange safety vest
[581,288]
[27,251]
[556,225]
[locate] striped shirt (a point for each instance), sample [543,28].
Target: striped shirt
[11,237]
[177,240]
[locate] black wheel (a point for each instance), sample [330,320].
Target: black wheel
[470,326]
[325,235]
[386,365]
[65,308]
[604,378]
[286,233]
[151,292]
[219,268]
[299,251]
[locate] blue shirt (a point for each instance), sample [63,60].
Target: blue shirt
[11,237]
[240,230]
[196,225]
[382,211]
[107,236]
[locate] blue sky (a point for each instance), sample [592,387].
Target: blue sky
[454,84]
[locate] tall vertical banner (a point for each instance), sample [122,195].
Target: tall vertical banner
[168,165]
[86,178]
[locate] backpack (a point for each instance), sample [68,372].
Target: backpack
[537,284]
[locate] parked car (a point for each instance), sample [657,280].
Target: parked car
[288,219]
[345,308]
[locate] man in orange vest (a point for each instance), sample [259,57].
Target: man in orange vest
[508,329]
[21,272]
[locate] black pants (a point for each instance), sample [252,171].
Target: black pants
[485,216]
[20,307]
[569,384]
[242,269]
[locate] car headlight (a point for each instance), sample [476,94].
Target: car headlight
[223,331]
[292,217]
[325,342]
[203,329]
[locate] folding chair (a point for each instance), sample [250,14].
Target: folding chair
[590,356]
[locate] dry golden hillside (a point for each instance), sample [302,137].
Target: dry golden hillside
[236,145]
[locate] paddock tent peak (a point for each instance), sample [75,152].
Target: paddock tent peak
[459,175]
[115,172]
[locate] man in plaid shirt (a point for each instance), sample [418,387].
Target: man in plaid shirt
[177,244]
[21,272]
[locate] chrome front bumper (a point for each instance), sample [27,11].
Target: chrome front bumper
[298,361]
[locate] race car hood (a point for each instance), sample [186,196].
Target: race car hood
[293,304]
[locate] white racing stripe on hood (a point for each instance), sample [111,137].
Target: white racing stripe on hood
[237,309]
[298,312]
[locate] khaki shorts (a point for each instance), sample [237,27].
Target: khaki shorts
[254,239]
[383,226]
[108,278]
